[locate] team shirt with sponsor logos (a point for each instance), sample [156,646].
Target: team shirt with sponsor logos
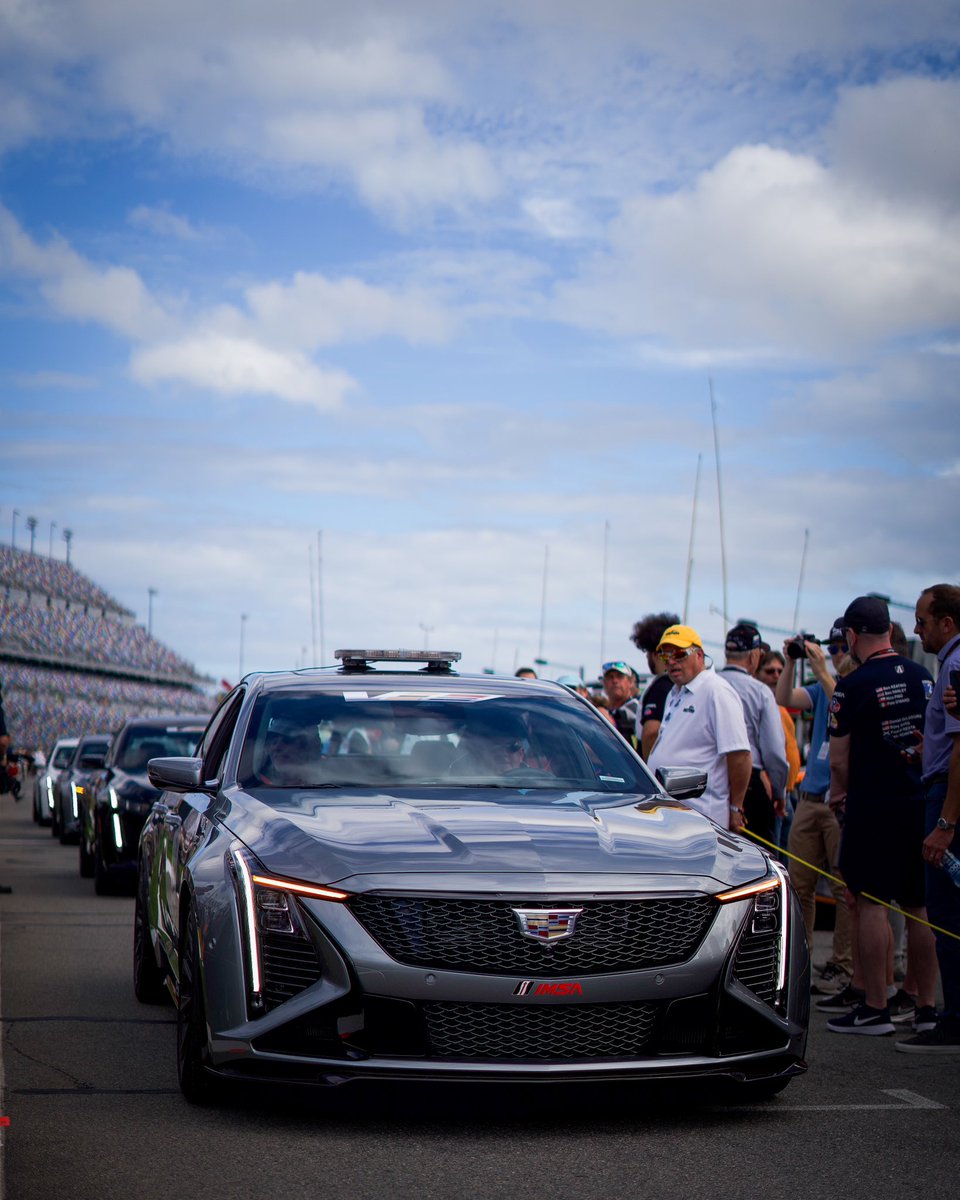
[885,698]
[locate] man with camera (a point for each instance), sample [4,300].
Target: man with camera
[766,792]
[815,832]
[938,627]
[876,715]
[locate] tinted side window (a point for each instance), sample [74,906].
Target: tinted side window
[216,739]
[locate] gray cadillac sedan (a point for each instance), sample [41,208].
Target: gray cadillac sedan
[387,869]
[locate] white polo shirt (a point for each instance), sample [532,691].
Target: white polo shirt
[702,723]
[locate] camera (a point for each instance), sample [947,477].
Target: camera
[796,647]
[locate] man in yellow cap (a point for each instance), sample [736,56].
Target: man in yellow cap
[703,727]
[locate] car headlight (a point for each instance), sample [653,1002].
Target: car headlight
[769,918]
[268,906]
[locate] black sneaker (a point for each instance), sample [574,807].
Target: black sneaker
[925,1019]
[902,1007]
[831,979]
[848,998]
[873,1022]
[939,1040]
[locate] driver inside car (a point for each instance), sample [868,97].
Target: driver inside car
[291,758]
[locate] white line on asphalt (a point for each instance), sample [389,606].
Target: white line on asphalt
[909,1099]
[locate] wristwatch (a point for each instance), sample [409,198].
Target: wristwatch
[943,823]
[735,808]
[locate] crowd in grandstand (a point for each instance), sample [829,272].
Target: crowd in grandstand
[44,704]
[36,573]
[81,637]
[51,613]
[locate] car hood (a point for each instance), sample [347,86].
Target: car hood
[376,838]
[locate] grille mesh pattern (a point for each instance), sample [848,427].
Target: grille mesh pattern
[484,936]
[290,965]
[561,1033]
[757,964]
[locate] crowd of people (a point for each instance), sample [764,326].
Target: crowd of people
[80,636]
[108,667]
[873,809]
[37,574]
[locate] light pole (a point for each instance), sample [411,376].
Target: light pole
[13,530]
[427,630]
[32,526]
[151,592]
[53,526]
[68,538]
[243,627]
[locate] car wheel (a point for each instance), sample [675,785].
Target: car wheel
[193,1054]
[148,979]
[55,821]
[104,883]
[86,860]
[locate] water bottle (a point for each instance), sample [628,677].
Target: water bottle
[951,864]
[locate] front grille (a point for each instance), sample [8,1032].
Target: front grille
[483,935]
[516,1033]
[290,965]
[757,964]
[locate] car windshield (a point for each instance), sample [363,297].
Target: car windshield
[152,741]
[417,736]
[62,757]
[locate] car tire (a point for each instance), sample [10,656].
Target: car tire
[104,883]
[193,1054]
[86,860]
[149,984]
[55,821]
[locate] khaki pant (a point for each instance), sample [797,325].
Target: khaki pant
[815,837]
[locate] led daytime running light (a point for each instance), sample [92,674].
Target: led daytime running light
[750,889]
[299,889]
[246,887]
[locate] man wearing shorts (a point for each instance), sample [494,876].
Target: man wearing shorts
[875,716]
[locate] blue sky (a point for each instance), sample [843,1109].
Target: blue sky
[448,282]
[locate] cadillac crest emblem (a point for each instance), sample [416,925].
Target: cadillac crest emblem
[547,924]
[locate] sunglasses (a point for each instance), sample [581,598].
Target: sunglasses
[675,656]
[838,648]
[622,667]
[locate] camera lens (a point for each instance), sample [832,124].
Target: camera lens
[796,649]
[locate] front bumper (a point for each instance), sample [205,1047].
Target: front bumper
[367,1016]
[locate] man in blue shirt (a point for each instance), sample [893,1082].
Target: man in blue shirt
[815,832]
[938,627]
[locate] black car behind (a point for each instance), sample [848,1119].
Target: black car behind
[122,795]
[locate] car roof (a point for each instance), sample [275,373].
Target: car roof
[173,719]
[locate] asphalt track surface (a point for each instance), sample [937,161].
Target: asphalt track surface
[90,1093]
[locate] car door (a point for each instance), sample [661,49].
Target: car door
[180,820]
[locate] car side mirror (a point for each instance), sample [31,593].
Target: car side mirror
[682,783]
[177,774]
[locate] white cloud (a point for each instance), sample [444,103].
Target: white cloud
[235,366]
[770,249]
[163,222]
[899,139]
[315,311]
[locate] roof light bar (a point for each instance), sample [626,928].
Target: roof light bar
[436,660]
[750,889]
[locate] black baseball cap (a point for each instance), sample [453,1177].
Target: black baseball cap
[867,614]
[743,637]
[838,631]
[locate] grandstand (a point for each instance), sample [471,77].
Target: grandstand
[74,661]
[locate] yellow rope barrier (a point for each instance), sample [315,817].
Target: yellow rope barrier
[866,895]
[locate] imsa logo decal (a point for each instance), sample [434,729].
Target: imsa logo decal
[530,987]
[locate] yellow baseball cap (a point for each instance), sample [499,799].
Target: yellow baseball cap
[680,635]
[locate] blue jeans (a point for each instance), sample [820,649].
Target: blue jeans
[943,909]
